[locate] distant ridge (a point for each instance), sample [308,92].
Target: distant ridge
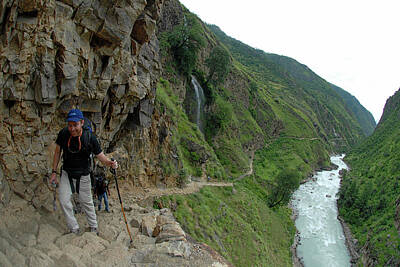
[363,116]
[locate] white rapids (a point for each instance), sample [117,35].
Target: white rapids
[322,242]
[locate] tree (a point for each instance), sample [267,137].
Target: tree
[219,64]
[284,184]
[185,40]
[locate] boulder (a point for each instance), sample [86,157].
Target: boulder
[11,253]
[36,258]
[175,249]
[67,260]
[4,261]
[171,232]
[148,224]
[115,256]
[90,242]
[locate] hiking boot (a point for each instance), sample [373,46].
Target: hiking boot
[74,231]
[94,230]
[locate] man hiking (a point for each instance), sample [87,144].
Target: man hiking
[77,143]
[101,191]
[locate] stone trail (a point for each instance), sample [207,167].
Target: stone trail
[30,237]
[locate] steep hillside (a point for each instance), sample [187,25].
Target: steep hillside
[268,106]
[128,65]
[369,197]
[362,115]
[300,88]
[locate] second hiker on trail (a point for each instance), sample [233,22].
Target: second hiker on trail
[102,192]
[77,143]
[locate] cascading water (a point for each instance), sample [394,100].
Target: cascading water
[200,99]
[322,242]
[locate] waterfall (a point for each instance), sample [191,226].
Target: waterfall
[200,99]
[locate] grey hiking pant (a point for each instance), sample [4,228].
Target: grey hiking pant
[85,200]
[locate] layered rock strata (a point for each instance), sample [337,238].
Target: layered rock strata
[97,55]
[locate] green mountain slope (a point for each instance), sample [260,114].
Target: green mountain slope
[301,88]
[362,115]
[369,192]
[268,106]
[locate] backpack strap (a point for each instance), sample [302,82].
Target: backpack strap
[71,178]
[86,140]
[71,183]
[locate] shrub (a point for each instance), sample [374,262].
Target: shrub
[184,41]
[282,187]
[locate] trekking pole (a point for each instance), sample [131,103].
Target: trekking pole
[120,201]
[54,185]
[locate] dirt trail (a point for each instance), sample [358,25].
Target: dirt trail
[190,188]
[250,172]
[300,138]
[139,194]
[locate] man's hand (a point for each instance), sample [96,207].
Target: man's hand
[114,164]
[106,161]
[53,178]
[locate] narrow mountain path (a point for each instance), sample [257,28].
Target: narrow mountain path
[190,188]
[195,186]
[299,138]
[250,172]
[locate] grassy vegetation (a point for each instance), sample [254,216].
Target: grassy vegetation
[185,135]
[269,104]
[286,153]
[239,224]
[370,190]
[305,94]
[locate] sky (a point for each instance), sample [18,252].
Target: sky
[354,44]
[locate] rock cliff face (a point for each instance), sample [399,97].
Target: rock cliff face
[100,56]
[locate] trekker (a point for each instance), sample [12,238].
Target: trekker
[101,191]
[77,143]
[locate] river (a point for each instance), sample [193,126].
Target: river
[322,242]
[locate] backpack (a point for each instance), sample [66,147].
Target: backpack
[101,184]
[88,125]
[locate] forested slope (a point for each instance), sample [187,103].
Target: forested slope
[370,193]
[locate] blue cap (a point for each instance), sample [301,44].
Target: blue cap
[75,115]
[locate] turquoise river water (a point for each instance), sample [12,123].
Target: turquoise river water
[322,242]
